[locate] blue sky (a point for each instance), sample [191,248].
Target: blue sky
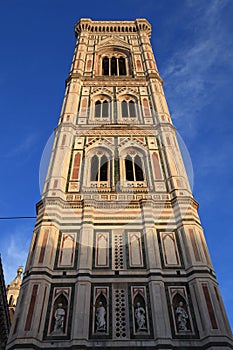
[193,45]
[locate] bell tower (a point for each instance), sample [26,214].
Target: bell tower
[118,257]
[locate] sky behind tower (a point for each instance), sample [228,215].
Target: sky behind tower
[193,45]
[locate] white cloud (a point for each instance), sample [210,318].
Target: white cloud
[22,148]
[197,68]
[14,250]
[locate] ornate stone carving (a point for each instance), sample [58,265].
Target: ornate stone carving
[59,319]
[140,317]
[182,317]
[100,318]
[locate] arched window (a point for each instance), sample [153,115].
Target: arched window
[103,173]
[128,109]
[97,109]
[105,109]
[94,168]
[133,168]
[122,66]
[11,301]
[124,109]
[113,66]
[129,169]
[102,109]
[105,66]
[99,168]
[132,111]
[138,168]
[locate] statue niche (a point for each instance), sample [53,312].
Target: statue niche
[101,314]
[140,316]
[59,318]
[181,314]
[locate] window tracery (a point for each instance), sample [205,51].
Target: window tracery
[101,109]
[114,64]
[98,169]
[128,109]
[133,169]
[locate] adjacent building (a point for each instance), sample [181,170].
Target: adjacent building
[12,292]
[4,313]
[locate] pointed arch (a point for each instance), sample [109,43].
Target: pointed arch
[128,106]
[105,109]
[97,109]
[103,168]
[129,168]
[114,66]
[94,168]
[122,66]
[124,109]
[132,110]
[59,317]
[105,66]
[138,169]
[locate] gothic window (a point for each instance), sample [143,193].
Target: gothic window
[102,109]
[113,65]
[124,109]
[122,66]
[128,109]
[94,168]
[132,111]
[133,168]
[103,172]
[99,168]
[97,109]
[129,169]
[11,301]
[105,109]
[105,66]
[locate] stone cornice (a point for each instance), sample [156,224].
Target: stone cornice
[108,27]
